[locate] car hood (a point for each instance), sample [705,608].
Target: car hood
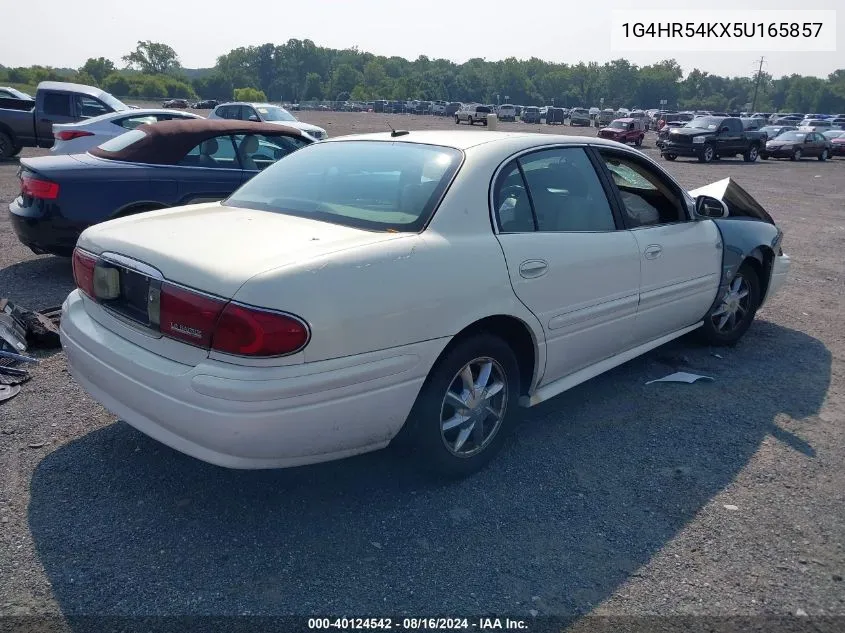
[690,131]
[740,203]
[215,248]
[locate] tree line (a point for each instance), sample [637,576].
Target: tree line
[299,70]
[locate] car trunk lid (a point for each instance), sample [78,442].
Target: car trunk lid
[216,249]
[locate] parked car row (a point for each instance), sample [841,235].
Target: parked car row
[709,138]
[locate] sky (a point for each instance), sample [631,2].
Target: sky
[48,33]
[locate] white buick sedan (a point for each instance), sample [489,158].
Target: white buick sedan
[405,286]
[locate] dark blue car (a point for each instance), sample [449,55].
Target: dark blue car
[165,164]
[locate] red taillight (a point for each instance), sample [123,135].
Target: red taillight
[83,271]
[246,331]
[38,188]
[188,316]
[69,135]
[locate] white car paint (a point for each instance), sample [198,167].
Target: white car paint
[254,109]
[381,308]
[108,126]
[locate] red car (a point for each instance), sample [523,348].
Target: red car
[624,131]
[837,145]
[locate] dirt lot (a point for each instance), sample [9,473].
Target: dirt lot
[615,498]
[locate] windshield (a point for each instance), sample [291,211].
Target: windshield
[115,104]
[834,134]
[619,125]
[792,136]
[704,123]
[381,186]
[274,113]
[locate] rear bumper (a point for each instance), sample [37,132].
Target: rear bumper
[247,417]
[44,232]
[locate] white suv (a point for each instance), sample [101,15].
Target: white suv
[473,113]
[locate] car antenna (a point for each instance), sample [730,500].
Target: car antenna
[394,133]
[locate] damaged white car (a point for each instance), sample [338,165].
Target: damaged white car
[405,286]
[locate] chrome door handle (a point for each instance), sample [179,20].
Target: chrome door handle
[533,268]
[653,251]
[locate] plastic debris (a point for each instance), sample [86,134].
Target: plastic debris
[9,391]
[681,376]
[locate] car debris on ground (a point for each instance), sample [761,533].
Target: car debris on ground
[20,330]
[682,376]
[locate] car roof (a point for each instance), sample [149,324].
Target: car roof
[167,142]
[91,91]
[466,139]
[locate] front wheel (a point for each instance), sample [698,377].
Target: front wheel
[764,156]
[732,316]
[463,412]
[457,121]
[823,155]
[796,155]
[707,154]
[670,157]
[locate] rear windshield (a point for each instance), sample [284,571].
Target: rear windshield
[373,185]
[120,143]
[483,109]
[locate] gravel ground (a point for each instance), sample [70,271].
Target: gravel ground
[721,498]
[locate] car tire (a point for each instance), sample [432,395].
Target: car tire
[764,156]
[707,154]
[796,154]
[670,157]
[457,120]
[823,155]
[638,141]
[432,446]
[7,147]
[731,317]
[751,155]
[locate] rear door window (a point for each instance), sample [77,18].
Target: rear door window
[88,107]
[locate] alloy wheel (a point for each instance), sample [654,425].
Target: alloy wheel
[734,307]
[474,406]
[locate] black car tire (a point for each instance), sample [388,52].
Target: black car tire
[670,157]
[457,120]
[639,141]
[707,154]
[7,147]
[751,154]
[823,155]
[796,154]
[711,335]
[422,432]
[470,121]
[764,156]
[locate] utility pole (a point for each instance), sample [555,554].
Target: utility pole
[757,85]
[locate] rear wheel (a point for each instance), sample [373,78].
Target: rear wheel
[732,316]
[7,147]
[639,141]
[823,155]
[751,155]
[463,412]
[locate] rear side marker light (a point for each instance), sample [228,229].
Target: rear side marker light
[83,271]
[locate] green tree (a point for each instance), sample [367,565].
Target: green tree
[249,94]
[98,68]
[313,87]
[153,58]
[344,79]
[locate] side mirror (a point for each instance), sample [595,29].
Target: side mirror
[254,118]
[709,207]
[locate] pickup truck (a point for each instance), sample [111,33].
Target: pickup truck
[29,122]
[711,137]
